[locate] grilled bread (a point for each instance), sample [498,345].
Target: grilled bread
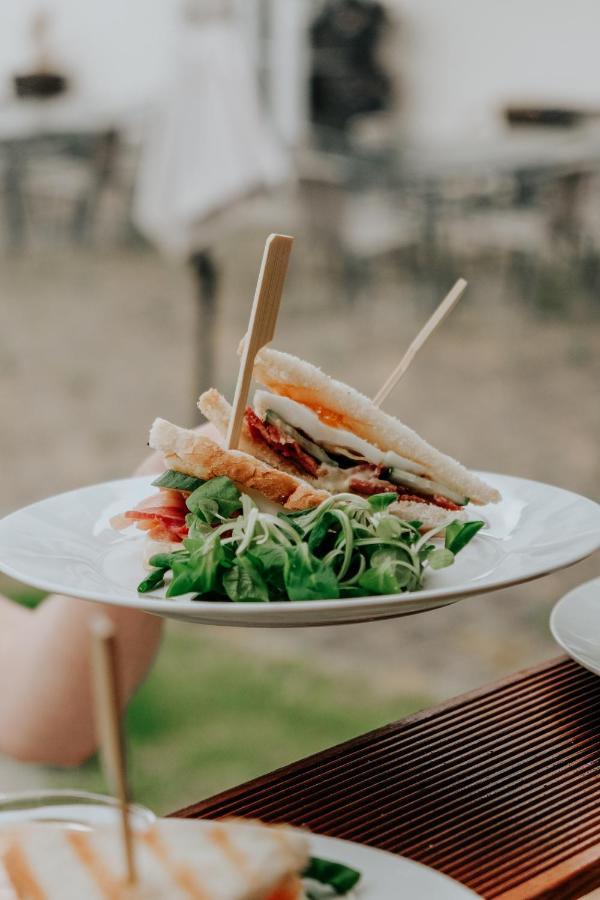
[175,860]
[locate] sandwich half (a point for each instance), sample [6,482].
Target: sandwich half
[175,860]
[333,437]
[194,454]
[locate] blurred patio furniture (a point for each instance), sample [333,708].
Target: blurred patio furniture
[497,789]
[519,195]
[33,130]
[529,160]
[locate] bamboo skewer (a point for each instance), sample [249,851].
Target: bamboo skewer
[108,723]
[261,327]
[447,304]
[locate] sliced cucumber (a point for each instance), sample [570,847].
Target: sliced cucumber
[274,419]
[425,486]
[177,481]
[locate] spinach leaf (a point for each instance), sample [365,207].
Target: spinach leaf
[219,496]
[268,557]
[386,580]
[338,876]
[379,502]
[166,560]
[270,561]
[389,557]
[201,525]
[177,481]
[387,574]
[459,534]
[452,531]
[155,579]
[440,558]
[200,573]
[307,578]
[390,529]
[244,582]
[378,581]
[426,551]
[206,512]
[320,531]
[195,545]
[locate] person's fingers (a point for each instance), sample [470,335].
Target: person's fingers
[154,463]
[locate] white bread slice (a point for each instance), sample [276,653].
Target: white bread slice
[285,374]
[193,454]
[217,410]
[176,859]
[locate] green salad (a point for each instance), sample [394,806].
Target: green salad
[348,546]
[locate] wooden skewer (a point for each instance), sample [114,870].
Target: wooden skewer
[449,301]
[108,723]
[261,328]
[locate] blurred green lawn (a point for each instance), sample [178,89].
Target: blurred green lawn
[211,715]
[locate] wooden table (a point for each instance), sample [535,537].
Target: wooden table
[498,788]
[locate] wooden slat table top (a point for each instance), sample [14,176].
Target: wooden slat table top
[500,788]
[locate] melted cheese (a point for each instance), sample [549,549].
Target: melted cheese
[336,480]
[307,420]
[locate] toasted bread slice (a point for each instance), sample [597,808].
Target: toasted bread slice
[176,859]
[341,406]
[193,454]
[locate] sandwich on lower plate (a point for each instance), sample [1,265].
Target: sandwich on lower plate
[315,428]
[175,860]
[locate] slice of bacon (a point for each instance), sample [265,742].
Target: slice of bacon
[371,486]
[159,531]
[378,486]
[165,497]
[157,512]
[162,516]
[281,443]
[159,527]
[445,503]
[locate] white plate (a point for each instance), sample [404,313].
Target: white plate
[65,544]
[575,624]
[78,809]
[386,876]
